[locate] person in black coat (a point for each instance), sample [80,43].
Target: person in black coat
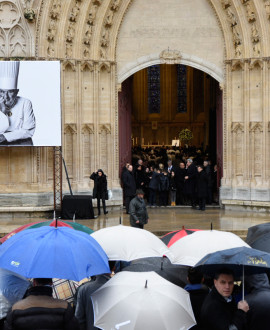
[190,182]
[209,173]
[180,183]
[219,310]
[129,186]
[39,310]
[153,187]
[100,190]
[197,292]
[140,177]
[259,301]
[202,187]
[163,188]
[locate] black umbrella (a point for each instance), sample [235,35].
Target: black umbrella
[173,273]
[262,242]
[255,232]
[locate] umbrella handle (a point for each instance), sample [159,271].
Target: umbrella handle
[243,283]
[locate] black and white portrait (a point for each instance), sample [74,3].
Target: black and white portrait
[30,107]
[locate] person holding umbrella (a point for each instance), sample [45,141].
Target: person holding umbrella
[219,310]
[138,211]
[39,310]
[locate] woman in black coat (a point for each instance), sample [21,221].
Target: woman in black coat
[100,189]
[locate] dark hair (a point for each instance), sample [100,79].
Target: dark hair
[43,281]
[200,166]
[194,276]
[139,192]
[225,271]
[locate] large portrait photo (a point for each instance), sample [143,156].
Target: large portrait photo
[30,103]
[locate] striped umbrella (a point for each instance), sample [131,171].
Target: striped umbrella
[37,224]
[170,238]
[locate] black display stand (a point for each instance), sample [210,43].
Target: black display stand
[79,205]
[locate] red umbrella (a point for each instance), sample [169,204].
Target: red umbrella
[37,224]
[172,237]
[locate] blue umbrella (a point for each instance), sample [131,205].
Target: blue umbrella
[54,252]
[241,261]
[12,289]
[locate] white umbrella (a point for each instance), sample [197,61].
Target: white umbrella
[129,243]
[142,301]
[192,248]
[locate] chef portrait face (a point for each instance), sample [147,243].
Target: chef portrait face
[8,96]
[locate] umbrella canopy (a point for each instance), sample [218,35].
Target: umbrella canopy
[255,232]
[60,223]
[12,289]
[170,238]
[162,266]
[191,249]
[53,252]
[142,301]
[254,261]
[262,242]
[128,243]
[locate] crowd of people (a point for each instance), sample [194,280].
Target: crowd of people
[217,303]
[171,176]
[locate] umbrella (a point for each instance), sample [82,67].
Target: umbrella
[241,261]
[37,224]
[53,252]
[261,243]
[129,243]
[170,238]
[191,249]
[162,266]
[142,301]
[255,232]
[12,289]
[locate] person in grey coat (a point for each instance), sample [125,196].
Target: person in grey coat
[137,210]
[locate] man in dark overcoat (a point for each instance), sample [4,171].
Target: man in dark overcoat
[190,182]
[202,187]
[129,186]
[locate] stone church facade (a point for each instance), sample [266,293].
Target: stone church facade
[100,43]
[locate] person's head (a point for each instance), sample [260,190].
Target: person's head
[205,163]
[182,165]
[169,163]
[130,168]
[9,72]
[140,193]
[140,162]
[147,170]
[100,172]
[224,282]
[194,276]
[189,162]
[215,168]
[127,165]
[200,168]
[42,281]
[172,174]
[151,168]
[161,166]
[139,168]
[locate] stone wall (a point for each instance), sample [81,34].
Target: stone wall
[102,42]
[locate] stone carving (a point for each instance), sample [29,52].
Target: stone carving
[9,15]
[231,17]
[74,12]
[70,128]
[257,49]
[115,4]
[225,3]
[69,64]
[29,12]
[88,129]
[236,126]
[236,35]
[267,8]
[17,41]
[103,53]
[86,52]
[109,18]
[105,128]
[255,126]
[50,50]
[104,66]
[237,65]
[92,15]
[52,30]
[70,32]
[250,11]
[88,64]
[69,51]
[238,50]
[170,56]
[87,35]
[98,2]
[254,33]
[55,9]
[104,38]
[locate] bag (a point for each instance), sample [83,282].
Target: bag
[107,195]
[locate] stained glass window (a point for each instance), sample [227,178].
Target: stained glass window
[153,74]
[181,88]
